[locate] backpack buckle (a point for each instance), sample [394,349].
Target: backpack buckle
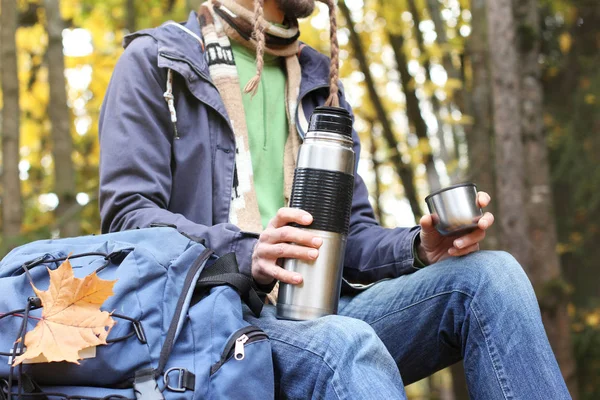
[185,380]
[145,386]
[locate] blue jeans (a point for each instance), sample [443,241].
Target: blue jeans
[480,308]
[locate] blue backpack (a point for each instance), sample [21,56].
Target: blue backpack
[179,332]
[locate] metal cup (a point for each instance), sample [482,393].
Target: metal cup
[454,209]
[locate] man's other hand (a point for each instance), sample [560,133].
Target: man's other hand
[279,241]
[435,247]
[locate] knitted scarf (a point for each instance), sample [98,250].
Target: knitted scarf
[220,22]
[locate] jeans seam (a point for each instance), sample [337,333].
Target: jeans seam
[419,302]
[487,345]
[318,356]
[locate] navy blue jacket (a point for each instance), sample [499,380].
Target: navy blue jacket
[148,177]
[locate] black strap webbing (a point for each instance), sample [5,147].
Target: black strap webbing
[225,271]
[29,387]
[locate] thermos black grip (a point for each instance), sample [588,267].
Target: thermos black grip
[326,195]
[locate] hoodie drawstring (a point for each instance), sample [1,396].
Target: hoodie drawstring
[170,99]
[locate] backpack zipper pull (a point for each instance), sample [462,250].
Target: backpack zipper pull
[239,347]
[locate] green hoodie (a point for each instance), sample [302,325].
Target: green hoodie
[267,125]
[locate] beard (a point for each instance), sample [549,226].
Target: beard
[296,8]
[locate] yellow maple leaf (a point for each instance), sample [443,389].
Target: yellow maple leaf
[71,317]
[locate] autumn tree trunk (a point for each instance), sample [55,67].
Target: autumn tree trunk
[413,110]
[376,164]
[433,6]
[404,170]
[510,165]
[131,15]
[435,103]
[456,95]
[60,119]
[545,270]
[11,184]
[480,137]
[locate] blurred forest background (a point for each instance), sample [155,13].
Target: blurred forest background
[502,93]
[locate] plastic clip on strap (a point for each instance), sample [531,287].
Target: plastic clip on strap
[225,271]
[145,386]
[185,380]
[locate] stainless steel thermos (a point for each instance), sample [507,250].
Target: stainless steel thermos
[323,186]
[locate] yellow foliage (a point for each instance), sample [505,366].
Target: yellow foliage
[590,99]
[32,39]
[452,166]
[592,319]
[571,14]
[118,12]
[453,84]
[424,147]
[562,248]
[576,238]
[435,51]
[552,71]
[30,135]
[69,8]
[466,120]
[565,42]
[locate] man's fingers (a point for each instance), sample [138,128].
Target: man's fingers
[283,275]
[470,239]
[288,215]
[453,251]
[483,199]
[289,234]
[426,223]
[280,241]
[285,250]
[486,221]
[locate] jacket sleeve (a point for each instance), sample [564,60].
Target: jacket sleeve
[135,156]
[373,252]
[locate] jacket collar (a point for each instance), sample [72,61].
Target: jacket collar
[175,41]
[181,47]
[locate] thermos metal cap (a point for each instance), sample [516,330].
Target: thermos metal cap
[331,119]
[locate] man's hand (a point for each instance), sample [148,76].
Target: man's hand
[435,247]
[280,241]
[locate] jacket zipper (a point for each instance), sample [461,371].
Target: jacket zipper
[235,346]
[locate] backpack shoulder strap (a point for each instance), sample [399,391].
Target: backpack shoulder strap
[225,271]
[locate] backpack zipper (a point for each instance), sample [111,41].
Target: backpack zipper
[235,346]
